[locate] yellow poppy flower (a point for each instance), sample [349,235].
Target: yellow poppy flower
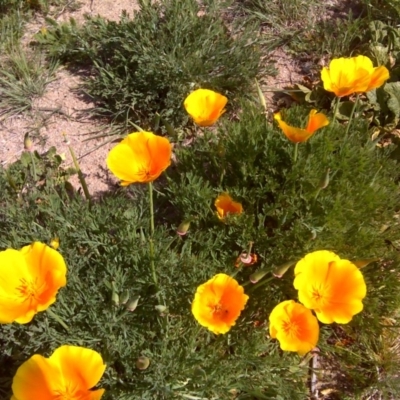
[69,373]
[140,157]
[346,76]
[29,281]
[218,302]
[205,106]
[332,287]
[295,327]
[299,135]
[225,205]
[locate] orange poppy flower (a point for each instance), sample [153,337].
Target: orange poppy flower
[299,135]
[332,287]
[205,106]
[225,205]
[295,327]
[218,302]
[69,373]
[346,76]
[140,157]
[38,272]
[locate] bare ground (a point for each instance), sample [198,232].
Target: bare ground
[63,109]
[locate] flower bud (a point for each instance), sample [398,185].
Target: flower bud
[142,363]
[183,228]
[124,297]
[282,269]
[324,182]
[115,298]
[258,275]
[131,306]
[160,308]
[28,145]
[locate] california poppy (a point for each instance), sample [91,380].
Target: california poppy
[295,327]
[332,287]
[346,76]
[29,281]
[205,106]
[225,206]
[69,373]
[140,157]
[218,302]
[298,135]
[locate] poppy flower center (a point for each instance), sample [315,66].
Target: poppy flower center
[290,328]
[30,290]
[70,392]
[218,311]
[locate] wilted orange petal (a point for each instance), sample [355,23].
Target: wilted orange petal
[295,135]
[316,121]
[225,205]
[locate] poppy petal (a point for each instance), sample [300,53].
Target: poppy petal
[80,365]
[36,379]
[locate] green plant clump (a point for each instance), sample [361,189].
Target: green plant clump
[148,64]
[287,214]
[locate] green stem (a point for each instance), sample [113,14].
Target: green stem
[80,174]
[33,166]
[153,268]
[351,115]
[261,283]
[58,319]
[296,151]
[335,110]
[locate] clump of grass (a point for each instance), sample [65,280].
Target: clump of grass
[106,252]
[148,64]
[23,77]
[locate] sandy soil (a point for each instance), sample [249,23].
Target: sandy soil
[70,118]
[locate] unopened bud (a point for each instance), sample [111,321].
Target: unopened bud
[55,243]
[324,182]
[115,298]
[160,308]
[258,275]
[282,269]
[183,228]
[28,145]
[142,363]
[66,140]
[131,306]
[124,297]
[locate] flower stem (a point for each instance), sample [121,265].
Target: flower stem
[261,283]
[153,268]
[33,166]
[351,115]
[336,109]
[58,319]
[80,174]
[296,151]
